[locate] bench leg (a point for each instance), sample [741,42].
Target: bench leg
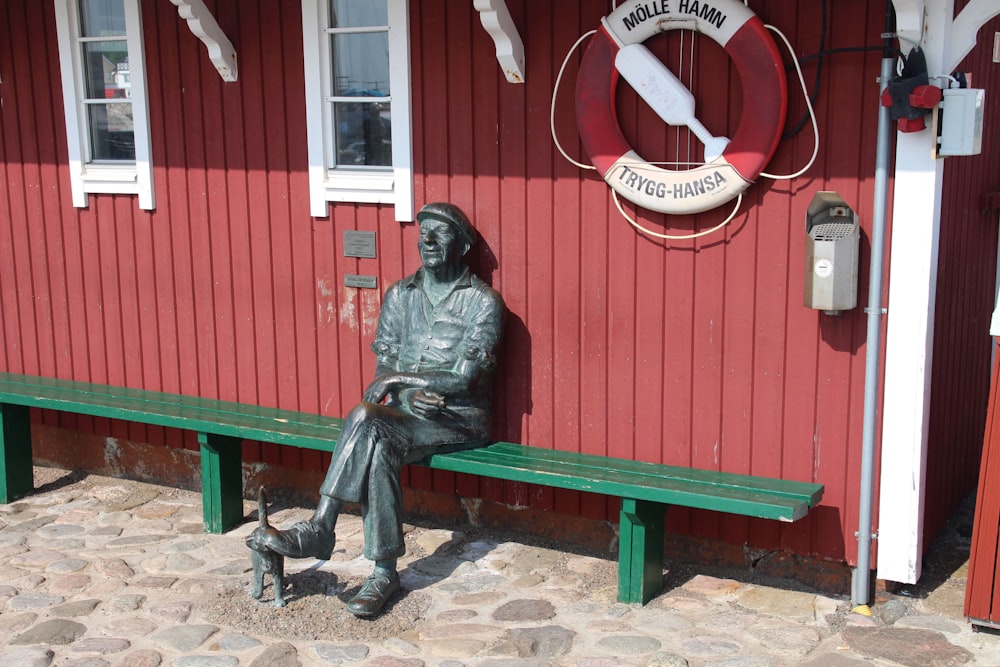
[221,481]
[640,550]
[16,474]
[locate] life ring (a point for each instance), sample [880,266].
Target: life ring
[765,97]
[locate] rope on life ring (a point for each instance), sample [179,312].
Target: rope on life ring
[729,168]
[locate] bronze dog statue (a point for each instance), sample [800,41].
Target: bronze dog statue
[264,560]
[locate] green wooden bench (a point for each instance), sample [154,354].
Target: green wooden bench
[645,489]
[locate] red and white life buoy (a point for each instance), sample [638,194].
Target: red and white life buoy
[745,39]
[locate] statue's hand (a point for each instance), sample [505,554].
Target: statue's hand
[426,403]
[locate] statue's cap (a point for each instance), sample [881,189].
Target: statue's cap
[451,214]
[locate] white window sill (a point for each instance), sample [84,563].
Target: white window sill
[110,179]
[361,186]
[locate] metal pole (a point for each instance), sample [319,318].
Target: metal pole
[861,577]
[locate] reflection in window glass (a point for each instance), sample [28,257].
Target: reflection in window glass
[107,81]
[102,18]
[364,135]
[361,64]
[358,13]
[106,72]
[112,135]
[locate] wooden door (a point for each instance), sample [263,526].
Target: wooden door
[982,594]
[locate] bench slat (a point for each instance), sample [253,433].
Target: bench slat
[177,411]
[739,494]
[598,464]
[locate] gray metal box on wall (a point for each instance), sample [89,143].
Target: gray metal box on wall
[833,239]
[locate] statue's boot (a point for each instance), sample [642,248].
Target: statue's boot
[307,539]
[375,592]
[304,539]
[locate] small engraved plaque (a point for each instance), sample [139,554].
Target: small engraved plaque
[359,244]
[364,282]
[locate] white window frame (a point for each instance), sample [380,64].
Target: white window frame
[342,184]
[125,178]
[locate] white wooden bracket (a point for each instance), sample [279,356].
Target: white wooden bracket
[510,49]
[910,22]
[959,37]
[206,28]
[963,30]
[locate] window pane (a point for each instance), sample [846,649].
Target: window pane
[106,72]
[111,131]
[358,13]
[102,18]
[363,134]
[361,64]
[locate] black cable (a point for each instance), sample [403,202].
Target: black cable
[848,49]
[819,72]
[890,29]
[886,47]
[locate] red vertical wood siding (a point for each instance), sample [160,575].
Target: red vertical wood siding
[966,283]
[692,352]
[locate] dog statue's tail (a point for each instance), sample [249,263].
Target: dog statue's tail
[262,509]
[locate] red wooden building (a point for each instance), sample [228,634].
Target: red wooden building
[177,184]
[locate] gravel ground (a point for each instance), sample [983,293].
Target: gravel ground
[310,613]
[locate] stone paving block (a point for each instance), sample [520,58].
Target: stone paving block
[101,645]
[332,654]
[791,605]
[129,626]
[34,601]
[27,657]
[524,610]
[140,658]
[629,644]
[54,632]
[76,608]
[906,646]
[713,587]
[282,654]
[835,660]
[459,648]
[206,661]
[184,638]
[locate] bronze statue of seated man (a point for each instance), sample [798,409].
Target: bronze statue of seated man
[435,346]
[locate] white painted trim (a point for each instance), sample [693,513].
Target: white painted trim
[908,357]
[204,26]
[327,184]
[140,105]
[313,16]
[86,178]
[497,21]
[910,21]
[402,108]
[66,16]
[913,263]
[995,318]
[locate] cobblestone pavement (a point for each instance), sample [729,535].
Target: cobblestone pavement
[96,571]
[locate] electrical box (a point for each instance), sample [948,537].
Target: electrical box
[833,239]
[961,121]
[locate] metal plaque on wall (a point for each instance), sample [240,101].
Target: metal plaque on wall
[359,244]
[364,282]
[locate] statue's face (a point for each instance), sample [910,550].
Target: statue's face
[439,244]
